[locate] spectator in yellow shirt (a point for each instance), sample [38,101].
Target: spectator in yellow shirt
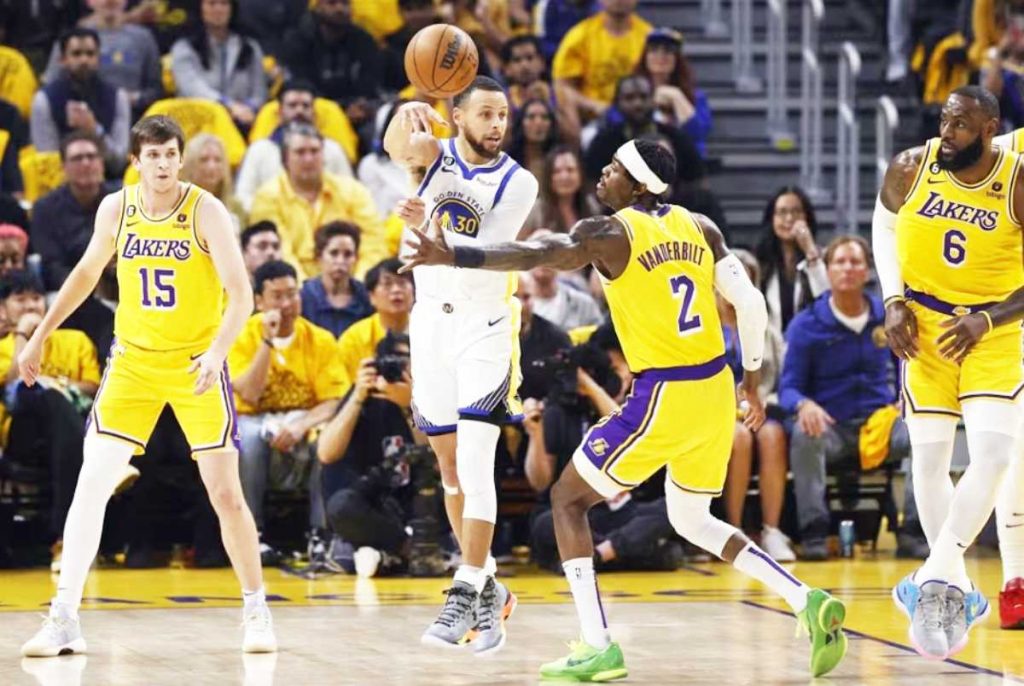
[599,51]
[305,197]
[287,382]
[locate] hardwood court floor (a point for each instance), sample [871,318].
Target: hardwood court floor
[700,625]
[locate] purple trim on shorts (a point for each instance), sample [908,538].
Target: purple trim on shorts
[236,437]
[943,307]
[439,430]
[692,372]
[620,430]
[757,552]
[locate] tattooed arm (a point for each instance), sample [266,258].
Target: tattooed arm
[899,177]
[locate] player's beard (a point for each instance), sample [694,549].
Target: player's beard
[478,147]
[962,159]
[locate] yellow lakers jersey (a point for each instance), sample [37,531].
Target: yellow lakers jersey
[170,296]
[663,304]
[1013,140]
[957,242]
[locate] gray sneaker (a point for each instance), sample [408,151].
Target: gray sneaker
[497,604]
[928,624]
[457,618]
[955,617]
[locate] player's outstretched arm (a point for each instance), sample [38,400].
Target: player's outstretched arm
[409,139]
[77,287]
[598,240]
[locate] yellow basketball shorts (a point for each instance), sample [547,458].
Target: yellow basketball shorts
[934,385]
[138,383]
[682,417]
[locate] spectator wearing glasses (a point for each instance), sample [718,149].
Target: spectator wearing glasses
[334,300]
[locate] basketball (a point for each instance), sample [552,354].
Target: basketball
[441,60]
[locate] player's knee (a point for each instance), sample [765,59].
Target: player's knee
[565,498]
[226,500]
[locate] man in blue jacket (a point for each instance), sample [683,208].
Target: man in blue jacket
[837,379]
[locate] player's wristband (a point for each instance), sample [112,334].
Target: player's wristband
[468,258]
[894,299]
[988,318]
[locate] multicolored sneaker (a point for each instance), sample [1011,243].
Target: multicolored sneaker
[925,606]
[823,619]
[586,663]
[496,605]
[1011,604]
[962,611]
[457,618]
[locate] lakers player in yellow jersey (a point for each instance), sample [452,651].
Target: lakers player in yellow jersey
[660,266]
[176,257]
[949,248]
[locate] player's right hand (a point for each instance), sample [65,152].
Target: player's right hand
[419,116]
[748,392]
[271,323]
[29,360]
[901,330]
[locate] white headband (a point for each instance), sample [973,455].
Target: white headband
[630,158]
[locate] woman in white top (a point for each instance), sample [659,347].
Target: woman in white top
[387,181]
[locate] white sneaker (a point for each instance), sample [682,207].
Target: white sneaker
[776,544]
[367,560]
[259,631]
[61,634]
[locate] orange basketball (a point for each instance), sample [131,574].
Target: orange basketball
[441,60]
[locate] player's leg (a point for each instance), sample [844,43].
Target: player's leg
[1010,522]
[443,446]
[931,451]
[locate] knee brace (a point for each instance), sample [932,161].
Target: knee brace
[690,515]
[474,462]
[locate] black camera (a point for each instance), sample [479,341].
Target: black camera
[391,367]
[561,368]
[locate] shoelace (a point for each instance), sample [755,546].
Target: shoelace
[956,611]
[460,602]
[257,620]
[931,608]
[486,614]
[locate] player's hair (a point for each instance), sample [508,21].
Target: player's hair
[20,281]
[846,239]
[296,85]
[270,270]
[390,265]
[76,136]
[660,159]
[323,235]
[988,102]
[480,83]
[515,41]
[257,228]
[156,130]
[77,32]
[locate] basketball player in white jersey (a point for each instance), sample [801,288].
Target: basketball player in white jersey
[464,335]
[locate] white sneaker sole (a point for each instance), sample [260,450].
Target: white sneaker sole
[260,647]
[433,641]
[487,652]
[76,647]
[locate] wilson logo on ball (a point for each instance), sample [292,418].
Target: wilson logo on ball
[448,61]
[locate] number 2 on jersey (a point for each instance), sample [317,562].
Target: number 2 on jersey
[161,283]
[683,287]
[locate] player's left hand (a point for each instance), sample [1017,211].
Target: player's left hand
[209,367]
[755,406]
[961,335]
[427,250]
[412,211]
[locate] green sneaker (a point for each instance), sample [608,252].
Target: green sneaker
[586,663]
[823,619]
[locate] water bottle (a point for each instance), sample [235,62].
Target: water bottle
[847,537]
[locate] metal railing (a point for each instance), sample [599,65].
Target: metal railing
[743,48]
[811,103]
[714,25]
[887,120]
[779,134]
[848,135]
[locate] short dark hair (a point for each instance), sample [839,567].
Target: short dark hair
[77,32]
[270,270]
[988,102]
[660,159]
[515,41]
[156,130]
[323,235]
[480,83]
[259,227]
[296,85]
[391,265]
[21,281]
[76,136]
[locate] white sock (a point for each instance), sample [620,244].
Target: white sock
[1010,519]
[472,576]
[253,599]
[585,594]
[490,566]
[756,563]
[933,486]
[103,463]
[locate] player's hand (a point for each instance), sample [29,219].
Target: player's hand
[533,413]
[901,330]
[812,419]
[427,250]
[419,117]
[271,323]
[209,367]
[961,335]
[288,436]
[749,394]
[29,360]
[413,211]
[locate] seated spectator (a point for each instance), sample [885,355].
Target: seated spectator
[563,200]
[334,300]
[341,60]
[387,180]
[677,99]
[524,69]
[48,419]
[78,99]
[260,244]
[635,104]
[215,62]
[768,443]
[13,249]
[13,137]
[564,306]
[263,158]
[62,220]
[95,316]
[287,381]
[1003,74]
[533,134]
[555,18]
[268,22]
[205,163]
[306,196]
[837,379]
[33,27]
[128,54]
[167,20]
[792,272]
[597,52]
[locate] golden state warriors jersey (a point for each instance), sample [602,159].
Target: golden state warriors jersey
[663,304]
[170,296]
[957,242]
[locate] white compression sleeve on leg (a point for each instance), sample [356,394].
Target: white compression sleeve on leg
[103,463]
[931,451]
[1010,517]
[732,282]
[474,462]
[883,245]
